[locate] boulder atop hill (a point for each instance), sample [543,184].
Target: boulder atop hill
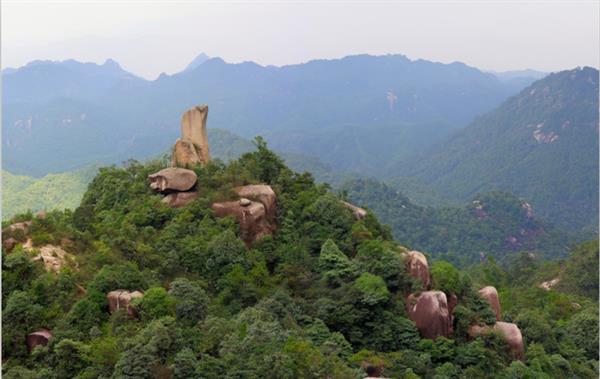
[192,148]
[255,211]
[429,311]
[490,295]
[173,180]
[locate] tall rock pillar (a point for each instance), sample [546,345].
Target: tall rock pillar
[192,147]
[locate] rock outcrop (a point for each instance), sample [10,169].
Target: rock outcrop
[510,332]
[173,179]
[547,285]
[180,199]
[417,267]
[430,313]
[192,148]
[17,227]
[490,295]
[121,299]
[53,257]
[358,212]
[263,194]
[255,211]
[40,337]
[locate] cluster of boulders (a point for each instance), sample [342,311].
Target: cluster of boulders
[433,311]
[255,211]
[121,299]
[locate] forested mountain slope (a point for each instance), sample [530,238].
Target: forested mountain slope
[326,293]
[541,145]
[492,224]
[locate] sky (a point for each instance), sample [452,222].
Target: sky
[151,37]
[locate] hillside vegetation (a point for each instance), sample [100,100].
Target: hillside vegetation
[324,297]
[541,145]
[492,224]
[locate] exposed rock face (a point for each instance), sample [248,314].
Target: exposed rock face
[16,227]
[255,212]
[53,257]
[192,148]
[263,194]
[417,267]
[430,312]
[510,332]
[185,154]
[549,284]
[40,337]
[173,180]
[490,295]
[121,299]
[180,199]
[358,213]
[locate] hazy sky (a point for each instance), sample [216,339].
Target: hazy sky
[148,38]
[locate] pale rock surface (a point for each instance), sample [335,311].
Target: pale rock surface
[490,294]
[417,267]
[121,299]
[358,212]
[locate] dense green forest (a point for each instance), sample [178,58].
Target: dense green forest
[494,224]
[323,297]
[541,145]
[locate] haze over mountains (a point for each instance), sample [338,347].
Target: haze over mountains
[541,144]
[60,115]
[385,117]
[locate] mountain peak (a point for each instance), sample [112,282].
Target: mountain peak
[200,58]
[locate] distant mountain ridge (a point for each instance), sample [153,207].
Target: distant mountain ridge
[61,115]
[541,145]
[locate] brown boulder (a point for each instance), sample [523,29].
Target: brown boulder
[180,199]
[193,129]
[417,267]
[173,180]
[490,295]
[430,313]
[255,211]
[121,299]
[185,153]
[40,337]
[263,194]
[252,218]
[510,332]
